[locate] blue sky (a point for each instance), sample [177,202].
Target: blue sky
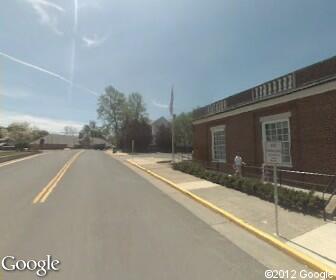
[207,49]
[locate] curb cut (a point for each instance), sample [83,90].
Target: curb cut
[302,258]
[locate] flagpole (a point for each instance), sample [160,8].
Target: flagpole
[171,110]
[173,138]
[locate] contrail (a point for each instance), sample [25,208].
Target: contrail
[72,66]
[50,73]
[85,88]
[73,48]
[75,15]
[34,67]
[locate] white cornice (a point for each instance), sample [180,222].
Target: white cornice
[306,92]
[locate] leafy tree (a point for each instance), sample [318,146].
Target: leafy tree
[139,131]
[112,109]
[3,132]
[183,129]
[21,134]
[88,131]
[164,138]
[38,133]
[136,108]
[118,111]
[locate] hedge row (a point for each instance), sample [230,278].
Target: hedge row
[294,200]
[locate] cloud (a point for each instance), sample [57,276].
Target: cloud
[48,13]
[90,4]
[73,49]
[49,124]
[50,73]
[75,15]
[94,41]
[160,105]
[35,67]
[15,93]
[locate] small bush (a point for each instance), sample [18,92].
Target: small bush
[288,198]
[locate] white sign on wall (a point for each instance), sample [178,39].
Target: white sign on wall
[273,153]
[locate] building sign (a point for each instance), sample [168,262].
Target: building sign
[273,153]
[274,87]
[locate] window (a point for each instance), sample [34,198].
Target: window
[278,130]
[218,143]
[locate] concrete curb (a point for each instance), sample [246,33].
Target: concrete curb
[305,259]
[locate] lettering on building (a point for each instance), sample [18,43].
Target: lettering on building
[217,107]
[274,87]
[268,89]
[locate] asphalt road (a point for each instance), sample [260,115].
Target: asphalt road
[103,221]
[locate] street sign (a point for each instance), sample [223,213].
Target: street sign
[273,151]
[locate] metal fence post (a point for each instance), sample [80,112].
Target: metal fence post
[276,199]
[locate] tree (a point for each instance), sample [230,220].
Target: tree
[89,131]
[139,131]
[70,130]
[38,133]
[136,108]
[3,132]
[21,134]
[112,109]
[183,130]
[164,138]
[117,112]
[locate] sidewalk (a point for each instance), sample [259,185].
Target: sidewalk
[308,234]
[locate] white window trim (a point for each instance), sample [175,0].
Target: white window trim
[275,119]
[214,129]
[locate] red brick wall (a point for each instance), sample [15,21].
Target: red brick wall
[201,143]
[317,133]
[313,134]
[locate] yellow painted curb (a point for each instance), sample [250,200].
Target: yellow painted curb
[305,259]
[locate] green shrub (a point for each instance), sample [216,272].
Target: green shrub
[288,198]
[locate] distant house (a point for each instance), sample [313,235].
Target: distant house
[6,143]
[55,141]
[98,143]
[156,125]
[60,141]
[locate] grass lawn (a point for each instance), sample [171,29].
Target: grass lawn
[10,155]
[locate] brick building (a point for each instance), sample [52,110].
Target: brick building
[298,109]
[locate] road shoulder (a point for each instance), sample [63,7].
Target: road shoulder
[256,248]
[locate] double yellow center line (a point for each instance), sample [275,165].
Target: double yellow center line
[47,190]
